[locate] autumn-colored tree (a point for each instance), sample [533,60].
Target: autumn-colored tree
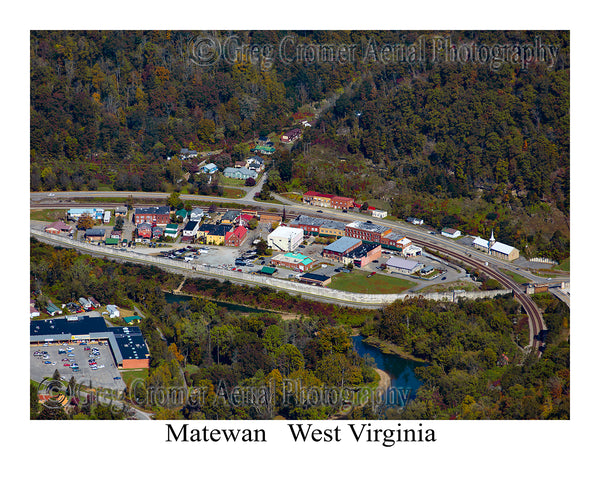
[85,221]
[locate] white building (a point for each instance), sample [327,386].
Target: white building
[285,239]
[412,251]
[106,216]
[496,249]
[379,213]
[113,311]
[451,233]
[401,265]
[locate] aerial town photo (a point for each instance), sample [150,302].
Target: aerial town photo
[299,225]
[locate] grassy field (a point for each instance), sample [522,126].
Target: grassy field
[47,215]
[233,192]
[358,282]
[564,266]
[448,287]
[130,375]
[515,276]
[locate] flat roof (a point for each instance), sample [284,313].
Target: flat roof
[334,224]
[307,220]
[152,210]
[402,263]
[362,250]
[315,276]
[294,258]
[342,244]
[286,231]
[370,227]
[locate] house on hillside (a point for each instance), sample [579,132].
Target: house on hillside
[241,173]
[450,233]
[210,168]
[291,136]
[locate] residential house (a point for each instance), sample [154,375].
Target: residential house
[157,232]
[171,230]
[230,216]
[144,230]
[210,168]
[241,173]
[190,231]
[197,214]
[120,211]
[185,153]
[414,221]
[183,213]
[291,136]
[264,149]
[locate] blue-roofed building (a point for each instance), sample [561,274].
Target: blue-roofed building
[95,213]
[210,168]
[341,248]
[127,343]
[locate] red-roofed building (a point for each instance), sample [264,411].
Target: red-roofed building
[236,237]
[58,227]
[245,218]
[317,199]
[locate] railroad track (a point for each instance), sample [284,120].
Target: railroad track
[536,321]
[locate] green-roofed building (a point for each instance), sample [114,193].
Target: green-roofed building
[267,270]
[132,318]
[183,213]
[171,230]
[295,261]
[111,241]
[263,150]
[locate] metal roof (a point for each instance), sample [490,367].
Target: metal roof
[402,263]
[369,227]
[343,244]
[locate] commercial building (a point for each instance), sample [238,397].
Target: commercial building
[294,261]
[366,231]
[269,218]
[285,239]
[144,230]
[401,265]
[396,241]
[127,344]
[332,228]
[340,248]
[327,200]
[310,225]
[58,227]
[363,255]
[152,215]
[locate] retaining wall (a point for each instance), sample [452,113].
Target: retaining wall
[293,287]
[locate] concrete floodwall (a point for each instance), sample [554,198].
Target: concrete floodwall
[292,287]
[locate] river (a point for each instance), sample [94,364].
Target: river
[400,370]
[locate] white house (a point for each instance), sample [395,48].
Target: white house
[451,233]
[210,168]
[196,214]
[285,239]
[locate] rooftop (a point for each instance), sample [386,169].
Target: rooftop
[362,250]
[307,220]
[286,231]
[343,244]
[315,276]
[370,227]
[402,263]
[162,210]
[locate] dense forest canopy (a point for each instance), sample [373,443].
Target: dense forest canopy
[108,108]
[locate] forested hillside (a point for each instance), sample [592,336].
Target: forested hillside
[461,144]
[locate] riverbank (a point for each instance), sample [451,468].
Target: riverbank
[385,381]
[390,349]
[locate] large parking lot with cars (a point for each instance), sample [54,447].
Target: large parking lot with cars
[87,362]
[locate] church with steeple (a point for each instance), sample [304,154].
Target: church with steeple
[495,249]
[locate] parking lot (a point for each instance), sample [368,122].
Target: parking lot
[107,376]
